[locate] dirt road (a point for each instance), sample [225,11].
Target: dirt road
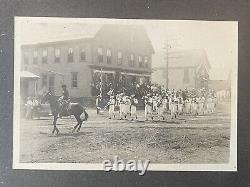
[189,139]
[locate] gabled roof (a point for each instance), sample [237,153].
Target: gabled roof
[188,58]
[66,33]
[129,36]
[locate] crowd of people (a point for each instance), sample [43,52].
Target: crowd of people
[157,101]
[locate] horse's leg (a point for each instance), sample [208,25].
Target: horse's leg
[80,123]
[76,124]
[54,124]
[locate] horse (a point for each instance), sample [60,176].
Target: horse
[75,109]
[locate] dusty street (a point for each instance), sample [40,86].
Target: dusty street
[188,139]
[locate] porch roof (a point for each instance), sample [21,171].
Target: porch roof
[29,75]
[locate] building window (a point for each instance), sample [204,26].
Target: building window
[57,55]
[186,75]
[132,60]
[74,79]
[70,55]
[100,55]
[44,81]
[146,62]
[35,57]
[83,55]
[45,56]
[26,58]
[109,54]
[119,58]
[140,61]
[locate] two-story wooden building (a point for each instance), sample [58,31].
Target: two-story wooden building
[186,69]
[113,52]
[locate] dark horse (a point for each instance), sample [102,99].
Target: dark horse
[56,108]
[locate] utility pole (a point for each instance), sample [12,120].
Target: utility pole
[168,56]
[166,47]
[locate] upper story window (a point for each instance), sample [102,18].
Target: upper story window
[119,58]
[140,61]
[45,56]
[146,62]
[109,56]
[35,57]
[26,58]
[132,60]
[100,55]
[74,80]
[57,55]
[186,76]
[70,55]
[82,54]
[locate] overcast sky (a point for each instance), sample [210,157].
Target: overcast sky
[219,39]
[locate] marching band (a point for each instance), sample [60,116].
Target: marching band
[161,103]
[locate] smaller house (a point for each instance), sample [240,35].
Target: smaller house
[220,79]
[188,69]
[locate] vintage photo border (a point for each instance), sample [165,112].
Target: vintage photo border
[231,166]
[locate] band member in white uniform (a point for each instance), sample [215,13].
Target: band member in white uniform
[127,107]
[164,104]
[180,105]
[111,107]
[134,102]
[148,106]
[188,106]
[123,106]
[173,106]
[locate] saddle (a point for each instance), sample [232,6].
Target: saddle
[65,107]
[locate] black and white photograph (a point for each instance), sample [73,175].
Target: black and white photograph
[156,95]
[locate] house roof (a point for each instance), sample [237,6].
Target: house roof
[130,36]
[27,74]
[68,33]
[188,58]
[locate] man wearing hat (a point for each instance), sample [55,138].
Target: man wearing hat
[64,99]
[65,92]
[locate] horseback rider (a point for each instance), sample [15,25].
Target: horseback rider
[64,99]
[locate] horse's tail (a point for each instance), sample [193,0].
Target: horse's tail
[86,115]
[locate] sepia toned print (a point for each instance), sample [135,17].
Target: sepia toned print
[89,90]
